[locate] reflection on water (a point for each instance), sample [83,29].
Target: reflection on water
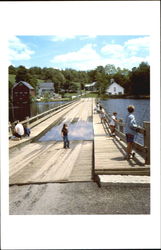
[80,130]
[19,112]
[29,110]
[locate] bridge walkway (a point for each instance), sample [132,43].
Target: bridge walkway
[109,154]
[48,161]
[44,126]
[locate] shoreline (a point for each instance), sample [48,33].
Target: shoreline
[125,97]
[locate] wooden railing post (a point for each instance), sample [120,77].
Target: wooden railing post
[27,120]
[146,126]
[121,127]
[9,127]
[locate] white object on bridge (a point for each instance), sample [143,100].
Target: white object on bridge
[19,129]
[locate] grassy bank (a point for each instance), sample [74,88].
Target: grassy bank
[92,95]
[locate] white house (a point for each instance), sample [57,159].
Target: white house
[46,87]
[90,86]
[115,89]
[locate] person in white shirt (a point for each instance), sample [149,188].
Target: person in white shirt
[19,130]
[112,123]
[103,116]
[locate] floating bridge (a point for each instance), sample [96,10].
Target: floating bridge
[35,161]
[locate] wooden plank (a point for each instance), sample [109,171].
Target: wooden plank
[82,170]
[123,172]
[109,153]
[42,162]
[55,164]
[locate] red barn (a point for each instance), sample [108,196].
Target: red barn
[21,93]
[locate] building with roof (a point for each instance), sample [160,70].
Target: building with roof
[90,86]
[46,87]
[115,89]
[21,93]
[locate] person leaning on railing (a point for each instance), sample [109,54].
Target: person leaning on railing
[131,129]
[112,123]
[102,116]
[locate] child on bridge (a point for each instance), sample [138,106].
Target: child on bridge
[64,134]
[112,123]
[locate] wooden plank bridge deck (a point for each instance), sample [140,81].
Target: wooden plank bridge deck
[109,154]
[43,162]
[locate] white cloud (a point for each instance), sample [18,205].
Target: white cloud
[123,56]
[128,49]
[137,44]
[18,50]
[87,53]
[129,54]
[128,62]
[113,50]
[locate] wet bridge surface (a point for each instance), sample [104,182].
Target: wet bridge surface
[92,151]
[45,160]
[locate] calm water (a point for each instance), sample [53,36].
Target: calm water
[81,130]
[142,108]
[21,112]
[78,130]
[142,111]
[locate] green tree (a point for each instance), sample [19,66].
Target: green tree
[32,80]
[91,75]
[12,70]
[74,87]
[59,80]
[110,69]
[35,71]
[140,79]
[100,69]
[101,82]
[21,74]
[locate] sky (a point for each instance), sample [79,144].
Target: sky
[78,52]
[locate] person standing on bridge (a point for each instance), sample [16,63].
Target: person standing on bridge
[27,131]
[64,133]
[112,123]
[131,130]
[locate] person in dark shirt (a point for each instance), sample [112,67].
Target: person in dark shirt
[64,134]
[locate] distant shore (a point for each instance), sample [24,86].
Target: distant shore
[96,95]
[125,97]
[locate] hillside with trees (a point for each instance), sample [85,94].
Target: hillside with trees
[135,81]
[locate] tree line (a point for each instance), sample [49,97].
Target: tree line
[135,81]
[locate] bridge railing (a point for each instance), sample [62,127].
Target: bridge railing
[33,121]
[142,150]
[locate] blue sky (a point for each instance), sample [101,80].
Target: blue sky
[78,52]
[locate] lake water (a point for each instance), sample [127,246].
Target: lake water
[85,128]
[22,111]
[142,108]
[142,111]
